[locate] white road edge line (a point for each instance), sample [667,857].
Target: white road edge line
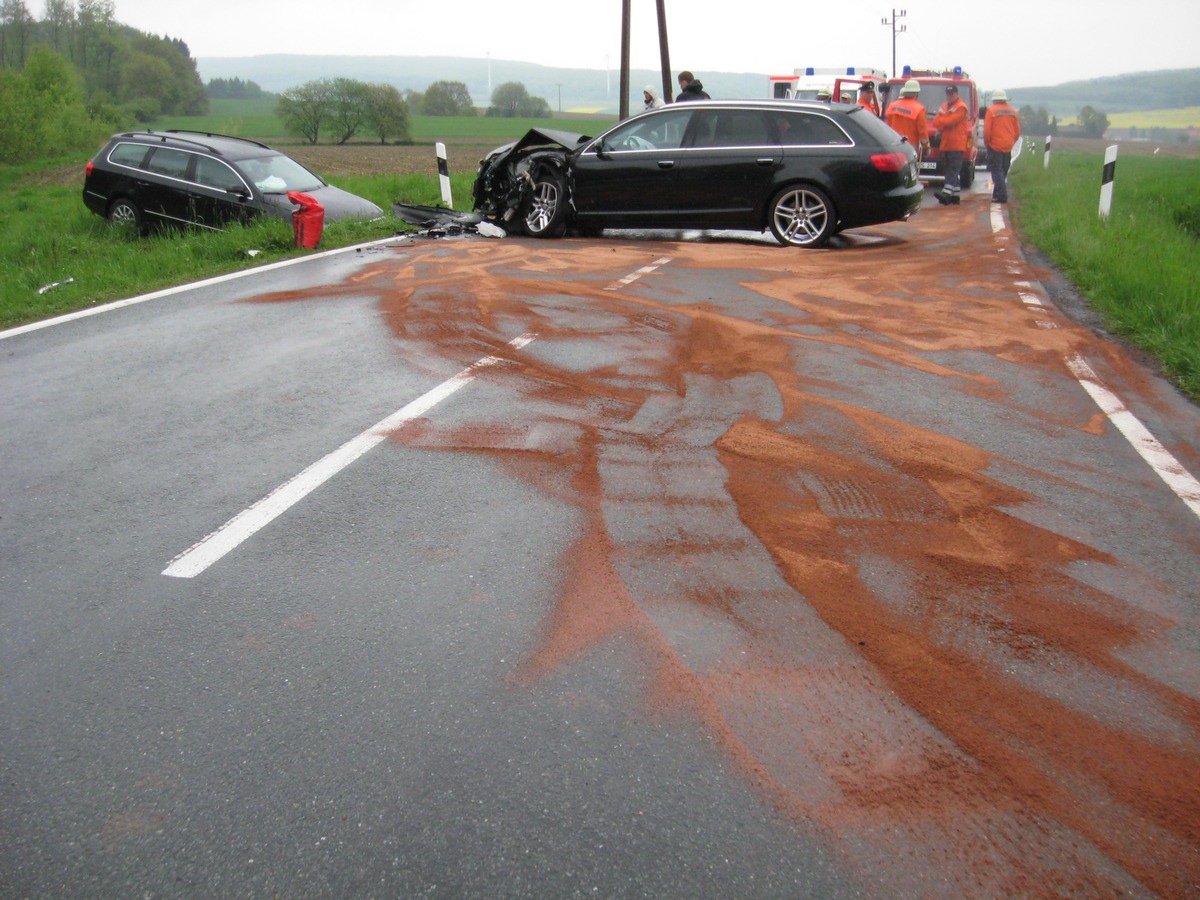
[1160,459]
[179,289]
[204,553]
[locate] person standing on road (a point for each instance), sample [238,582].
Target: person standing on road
[1001,131]
[907,117]
[953,124]
[690,88]
[650,95]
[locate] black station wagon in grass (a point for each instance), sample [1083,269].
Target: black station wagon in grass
[803,170]
[146,178]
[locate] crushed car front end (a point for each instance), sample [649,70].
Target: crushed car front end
[515,182]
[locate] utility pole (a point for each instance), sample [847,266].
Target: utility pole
[903,28]
[663,52]
[623,103]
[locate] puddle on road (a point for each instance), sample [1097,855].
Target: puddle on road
[847,602]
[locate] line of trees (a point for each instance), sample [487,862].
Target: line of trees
[116,65]
[74,76]
[512,100]
[1039,122]
[342,107]
[234,89]
[443,98]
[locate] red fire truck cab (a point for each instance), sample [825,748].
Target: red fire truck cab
[933,94]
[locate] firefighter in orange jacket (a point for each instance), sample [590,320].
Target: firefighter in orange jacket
[867,98]
[1001,131]
[907,117]
[953,121]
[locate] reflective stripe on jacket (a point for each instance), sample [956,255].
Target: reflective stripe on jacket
[951,121]
[1001,127]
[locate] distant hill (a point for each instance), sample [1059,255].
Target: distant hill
[1165,89]
[596,90]
[578,90]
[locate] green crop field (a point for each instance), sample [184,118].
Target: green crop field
[257,119]
[1188,117]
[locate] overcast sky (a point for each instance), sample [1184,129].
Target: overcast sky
[1010,44]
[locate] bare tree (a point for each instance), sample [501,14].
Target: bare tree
[304,109]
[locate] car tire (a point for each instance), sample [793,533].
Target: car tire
[124,215]
[545,212]
[802,216]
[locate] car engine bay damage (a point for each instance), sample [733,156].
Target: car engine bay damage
[506,188]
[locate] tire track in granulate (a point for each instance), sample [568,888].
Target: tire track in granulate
[847,601]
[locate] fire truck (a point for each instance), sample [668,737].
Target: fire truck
[804,84]
[933,94]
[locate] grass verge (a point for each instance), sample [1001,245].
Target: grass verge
[1140,268]
[48,237]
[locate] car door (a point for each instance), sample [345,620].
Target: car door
[165,199]
[218,194]
[729,168]
[628,176]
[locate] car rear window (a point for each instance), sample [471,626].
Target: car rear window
[801,129]
[128,155]
[166,161]
[875,128]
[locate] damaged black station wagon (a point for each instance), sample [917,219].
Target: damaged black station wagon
[804,170]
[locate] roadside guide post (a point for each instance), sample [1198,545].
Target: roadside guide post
[443,173]
[1106,180]
[1046,161]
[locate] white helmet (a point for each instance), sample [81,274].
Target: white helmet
[999,96]
[912,86]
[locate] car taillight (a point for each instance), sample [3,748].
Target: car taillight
[889,162]
[88,170]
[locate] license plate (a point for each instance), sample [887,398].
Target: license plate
[928,165]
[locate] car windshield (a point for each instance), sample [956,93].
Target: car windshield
[279,174]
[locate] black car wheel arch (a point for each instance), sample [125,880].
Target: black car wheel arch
[802,215]
[124,214]
[544,212]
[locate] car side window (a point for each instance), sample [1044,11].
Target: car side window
[797,129]
[660,132]
[216,174]
[731,128]
[166,161]
[128,155]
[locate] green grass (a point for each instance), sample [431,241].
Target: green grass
[47,236]
[1140,268]
[256,119]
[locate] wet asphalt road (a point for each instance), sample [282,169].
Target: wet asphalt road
[337,707]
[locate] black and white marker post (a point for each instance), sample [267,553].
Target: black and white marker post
[1046,161]
[1106,181]
[443,173]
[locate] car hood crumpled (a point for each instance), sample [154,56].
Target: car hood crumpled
[535,137]
[338,204]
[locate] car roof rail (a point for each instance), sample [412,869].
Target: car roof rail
[164,136]
[214,134]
